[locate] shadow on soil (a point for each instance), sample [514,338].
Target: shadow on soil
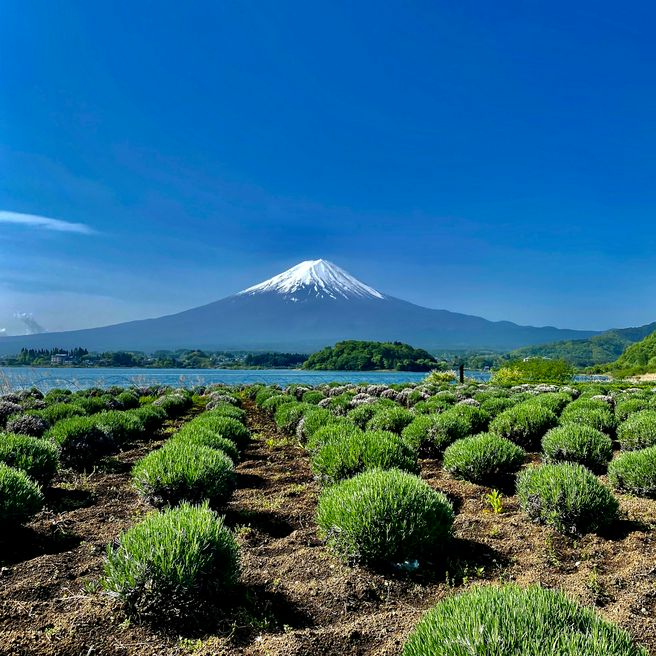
[25,543]
[265,522]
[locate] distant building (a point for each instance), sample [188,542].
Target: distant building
[60,358]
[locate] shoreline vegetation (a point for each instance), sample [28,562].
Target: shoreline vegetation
[637,360]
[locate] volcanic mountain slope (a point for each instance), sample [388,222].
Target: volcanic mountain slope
[311,305]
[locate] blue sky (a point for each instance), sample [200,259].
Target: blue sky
[491,158]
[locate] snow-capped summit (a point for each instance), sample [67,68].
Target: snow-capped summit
[314,279]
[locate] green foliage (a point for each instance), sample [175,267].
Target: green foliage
[385,517]
[121,426]
[524,424]
[355,355]
[554,401]
[313,397]
[483,459]
[174,563]
[350,453]
[566,496]
[533,370]
[174,404]
[453,424]
[313,420]
[39,459]
[596,350]
[274,360]
[203,436]
[227,427]
[496,405]
[362,414]
[390,419]
[624,409]
[274,402]
[20,496]
[266,393]
[638,358]
[335,430]
[638,431]
[590,413]
[635,472]
[289,414]
[151,416]
[57,411]
[81,441]
[127,400]
[437,403]
[436,377]
[514,621]
[228,410]
[93,404]
[578,443]
[182,471]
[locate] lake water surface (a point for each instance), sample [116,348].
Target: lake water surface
[79,378]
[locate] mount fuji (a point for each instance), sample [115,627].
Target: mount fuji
[311,305]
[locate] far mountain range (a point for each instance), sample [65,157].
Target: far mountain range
[311,305]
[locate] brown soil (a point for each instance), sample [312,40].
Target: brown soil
[295,598]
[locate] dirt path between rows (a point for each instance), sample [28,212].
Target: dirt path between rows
[296,599]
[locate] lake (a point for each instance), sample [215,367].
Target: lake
[46,378]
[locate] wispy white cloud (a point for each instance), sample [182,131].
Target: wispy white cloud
[44,222]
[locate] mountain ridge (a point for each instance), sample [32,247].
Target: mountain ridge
[309,306]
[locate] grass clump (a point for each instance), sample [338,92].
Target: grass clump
[554,401]
[567,496]
[514,621]
[172,564]
[20,496]
[151,416]
[58,411]
[203,436]
[227,427]
[590,412]
[524,424]
[122,427]
[483,459]
[81,441]
[578,443]
[127,400]
[274,402]
[635,472]
[228,410]
[313,420]
[624,409]
[38,458]
[336,430]
[438,431]
[390,419]
[382,518]
[182,471]
[352,452]
[289,415]
[173,404]
[638,431]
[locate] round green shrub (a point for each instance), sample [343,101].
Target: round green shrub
[203,436]
[229,410]
[513,621]
[174,404]
[274,402]
[81,441]
[454,424]
[289,415]
[524,424]
[92,404]
[58,411]
[182,471]
[313,420]
[151,416]
[635,472]
[265,393]
[120,425]
[600,418]
[20,496]
[57,395]
[578,443]
[390,419]
[227,427]
[336,430]
[483,459]
[127,400]
[637,432]
[38,458]
[362,414]
[313,397]
[171,565]
[496,405]
[352,452]
[383,518]
[625,409]
[423,431]
[554,401]
[567,496]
